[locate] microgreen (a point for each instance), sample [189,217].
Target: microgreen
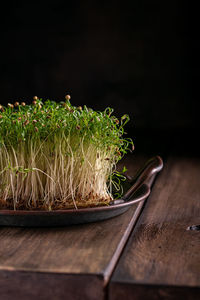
[55,155]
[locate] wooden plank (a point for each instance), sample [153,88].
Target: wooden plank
[45,286]
[162,257]
[73,260]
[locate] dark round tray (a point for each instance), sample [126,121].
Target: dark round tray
[138,191]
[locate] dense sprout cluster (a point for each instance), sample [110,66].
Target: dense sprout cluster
[55,155]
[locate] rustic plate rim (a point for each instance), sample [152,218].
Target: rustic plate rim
[126,203]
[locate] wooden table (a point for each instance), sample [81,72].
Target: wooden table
[146,253]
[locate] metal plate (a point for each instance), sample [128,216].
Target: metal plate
[138,191]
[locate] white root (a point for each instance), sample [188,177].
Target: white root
[35,175]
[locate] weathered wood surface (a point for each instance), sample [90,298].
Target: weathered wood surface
[59,263]
[162,258]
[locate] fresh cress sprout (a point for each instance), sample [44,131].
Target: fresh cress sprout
[55,155]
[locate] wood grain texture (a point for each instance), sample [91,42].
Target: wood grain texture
[45,286]
[162,255]
[74,259]
[129,291]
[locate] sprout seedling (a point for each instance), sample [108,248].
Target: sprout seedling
[57,156]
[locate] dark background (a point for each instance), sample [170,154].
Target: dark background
[139,57]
